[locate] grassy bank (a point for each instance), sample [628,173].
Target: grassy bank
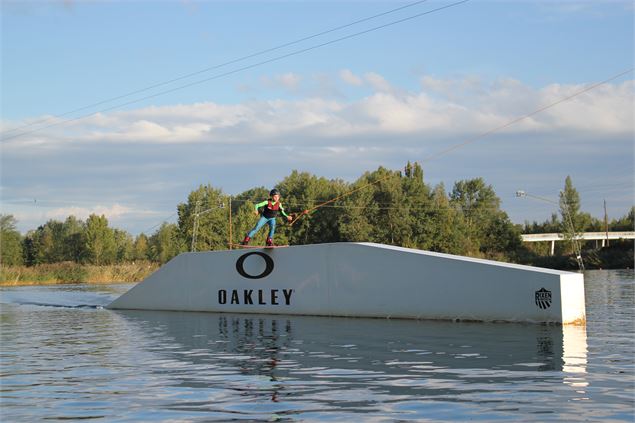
[70,272]
[617,256]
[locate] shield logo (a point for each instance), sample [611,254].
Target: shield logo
[543,298]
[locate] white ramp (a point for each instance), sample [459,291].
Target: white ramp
[360,280]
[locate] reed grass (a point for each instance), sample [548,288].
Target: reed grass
[70,272]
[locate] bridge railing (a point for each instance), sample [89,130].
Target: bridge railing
[584,236]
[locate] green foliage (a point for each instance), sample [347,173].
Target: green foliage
[625,223]
[374,212]
[10,241]
[480,208]
[73,239]
[56,242]
[100,242]
[552,225]
[382,206]
[446,227]
[141,248]
[124,246]
[572,222]
[69,272]
[303,191]
[166,243]
[204,217]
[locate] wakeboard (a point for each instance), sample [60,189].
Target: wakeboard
[259,246]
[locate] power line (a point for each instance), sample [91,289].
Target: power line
[230,62]
[247,67]
[521,118]
[160,223]
[471,140]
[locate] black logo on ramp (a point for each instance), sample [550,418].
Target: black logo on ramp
[268,265]
[543,298]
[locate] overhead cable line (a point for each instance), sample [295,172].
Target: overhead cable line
[160,223]
[471,140]
[247,67]
[527,116]
[230,62]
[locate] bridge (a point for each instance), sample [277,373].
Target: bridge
[584,236]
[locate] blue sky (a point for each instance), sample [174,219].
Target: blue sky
[405,92]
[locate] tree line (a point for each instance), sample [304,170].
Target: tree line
[383,206]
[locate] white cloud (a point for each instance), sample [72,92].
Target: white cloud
[156,154]
[111,212]
[288,81]
[350,78]
[442,107]
[378,82]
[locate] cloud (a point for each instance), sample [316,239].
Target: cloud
[154,156]
[378,82]
[350,78]
[111,212]
[288,81]
[442,108]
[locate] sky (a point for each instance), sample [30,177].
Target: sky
[123,108]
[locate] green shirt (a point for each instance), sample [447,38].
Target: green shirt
[264,204]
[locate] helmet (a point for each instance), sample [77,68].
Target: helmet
[274,192]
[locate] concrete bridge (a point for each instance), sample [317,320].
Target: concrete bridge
[584,236]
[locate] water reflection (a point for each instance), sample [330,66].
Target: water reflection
[64,357]
[355,363]
[574,355]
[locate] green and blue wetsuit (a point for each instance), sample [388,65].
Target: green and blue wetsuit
[270,211]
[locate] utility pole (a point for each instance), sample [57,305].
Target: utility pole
[195,225]
[606,223]
[566,217]
[230,222]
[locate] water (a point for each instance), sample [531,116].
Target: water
[65,357]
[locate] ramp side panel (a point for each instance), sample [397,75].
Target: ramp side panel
[573,299]
[364,280]
[195,281]
[393,283]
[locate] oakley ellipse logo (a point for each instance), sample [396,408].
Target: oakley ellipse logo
[241,263]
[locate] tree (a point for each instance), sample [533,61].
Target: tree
[570,206]
[141,248]
[166,243]
[45,244]
[572,221]
[124,246]
[206,217]
[501,238]
[303,191]
[353,223]
[625,223]
[417,204]
[101,247]
[10,241]
[73,242]
[374,211]
[446,230]
[478,204]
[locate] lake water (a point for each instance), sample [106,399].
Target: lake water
[65,357]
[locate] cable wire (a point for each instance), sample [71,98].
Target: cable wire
[471,140]
[230,62]
[224,74]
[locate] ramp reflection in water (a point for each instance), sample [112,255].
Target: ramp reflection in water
[308,366]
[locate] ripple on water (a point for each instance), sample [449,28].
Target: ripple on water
[65,357]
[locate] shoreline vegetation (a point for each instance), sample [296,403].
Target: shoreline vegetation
[383,206]
[70,273]
[617,256]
